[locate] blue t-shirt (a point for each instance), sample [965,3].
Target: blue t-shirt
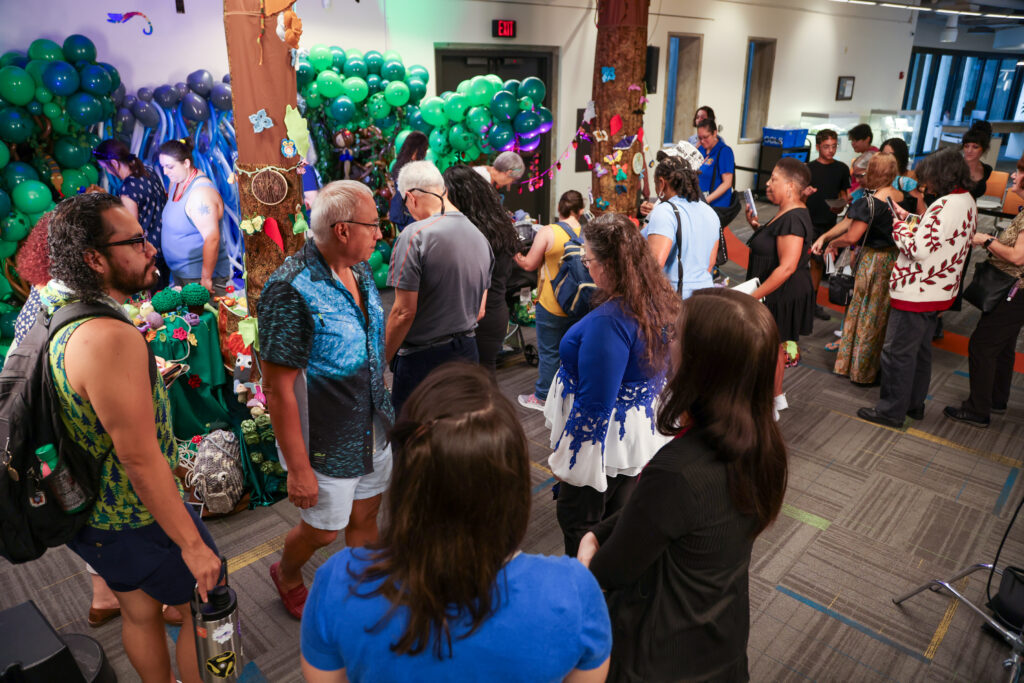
[716,162]
[699,233]
[551,619]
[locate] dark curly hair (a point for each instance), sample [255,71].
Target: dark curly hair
[681,179]
[477,199]
[76,225]
[980,133]
[636,280]
[944,171]
[900,151]
[33,258]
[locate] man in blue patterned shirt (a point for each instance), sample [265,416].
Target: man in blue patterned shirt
[322,347]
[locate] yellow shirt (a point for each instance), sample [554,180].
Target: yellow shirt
[545,293]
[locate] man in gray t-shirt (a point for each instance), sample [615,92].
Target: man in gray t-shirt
[440,269]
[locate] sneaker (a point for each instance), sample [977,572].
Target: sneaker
[961,415]
[531,401]
[998,410]
[781,403]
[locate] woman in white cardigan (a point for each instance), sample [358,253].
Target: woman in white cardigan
[924,282]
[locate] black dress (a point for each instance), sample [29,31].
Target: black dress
[978,188]
[492,328]
[792,304]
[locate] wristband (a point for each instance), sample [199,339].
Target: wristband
[988,243]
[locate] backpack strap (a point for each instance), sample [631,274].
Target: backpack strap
[679,249]
[567,229]
[78,310]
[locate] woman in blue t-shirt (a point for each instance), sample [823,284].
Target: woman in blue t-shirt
[446,594]
[682,217]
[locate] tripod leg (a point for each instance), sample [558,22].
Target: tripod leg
[935,584]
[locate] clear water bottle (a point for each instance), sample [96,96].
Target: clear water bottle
[66,490]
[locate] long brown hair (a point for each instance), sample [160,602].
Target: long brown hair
[729,347]
[636,280]
[115,150]
[458,506]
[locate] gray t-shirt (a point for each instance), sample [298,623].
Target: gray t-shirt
[448,261]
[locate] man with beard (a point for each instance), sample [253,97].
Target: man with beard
[148,546]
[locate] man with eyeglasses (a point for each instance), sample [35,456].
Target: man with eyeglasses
[141,537]
[440,269]
[322,350]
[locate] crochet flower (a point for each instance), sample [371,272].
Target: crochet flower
[192,319]
[180,334]
[197,438]
[192,340]
[194,381]
[150,335]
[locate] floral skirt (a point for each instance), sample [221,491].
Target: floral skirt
[860,350]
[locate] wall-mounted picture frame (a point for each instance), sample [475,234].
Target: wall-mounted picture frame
[844,88]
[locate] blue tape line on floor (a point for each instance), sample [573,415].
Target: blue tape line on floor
[543,485]
[855,625]
[1004,495]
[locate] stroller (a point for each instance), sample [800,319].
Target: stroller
[518,291]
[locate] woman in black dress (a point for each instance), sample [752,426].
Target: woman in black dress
[974,144]
[482,206]
[779,252]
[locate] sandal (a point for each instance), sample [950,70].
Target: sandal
[99,616]
[833,345]
[295,599]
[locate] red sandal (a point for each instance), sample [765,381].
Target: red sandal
[295,599]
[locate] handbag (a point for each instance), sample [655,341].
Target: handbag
[988,287]
[840,285]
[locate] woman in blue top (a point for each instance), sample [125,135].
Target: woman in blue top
[682,217]
[192,241]
[446,595]
[601,405]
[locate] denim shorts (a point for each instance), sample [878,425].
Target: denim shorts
[143,559]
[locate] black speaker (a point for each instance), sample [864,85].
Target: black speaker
[651,70]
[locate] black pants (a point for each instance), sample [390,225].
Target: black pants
[906,362]
[991,353]
[490,335]
[412,369]
[580,507]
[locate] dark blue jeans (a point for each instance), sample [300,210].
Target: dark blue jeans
[412,369]
[550,330]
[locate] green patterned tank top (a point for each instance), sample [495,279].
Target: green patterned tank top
[118,506]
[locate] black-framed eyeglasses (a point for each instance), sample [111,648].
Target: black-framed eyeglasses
[137,240]
[418,189]
[375,226]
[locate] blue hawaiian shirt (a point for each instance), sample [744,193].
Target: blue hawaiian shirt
[309,320]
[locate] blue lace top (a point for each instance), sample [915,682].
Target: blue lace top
[602,365]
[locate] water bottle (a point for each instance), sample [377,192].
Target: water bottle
[65,489]
[218,634]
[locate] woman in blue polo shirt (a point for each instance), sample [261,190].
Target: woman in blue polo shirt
[719,167]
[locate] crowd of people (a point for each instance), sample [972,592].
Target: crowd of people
[666,374]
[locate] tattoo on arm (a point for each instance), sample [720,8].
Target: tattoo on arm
[204,210]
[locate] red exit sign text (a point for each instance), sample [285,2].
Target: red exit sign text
[503,28]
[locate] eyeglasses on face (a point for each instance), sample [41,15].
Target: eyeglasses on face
[137,242]
[375,226]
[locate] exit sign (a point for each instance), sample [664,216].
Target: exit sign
[503,28]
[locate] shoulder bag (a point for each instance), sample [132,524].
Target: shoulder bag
[988,287]
[840,285]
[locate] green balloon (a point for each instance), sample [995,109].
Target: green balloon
[33,218]
[462,88]
[471,154]
[460,137]
[16,86]
[329,84]
[417,90]
[376,260]
[439,142]
[78,48]
[320,57]
[5,204]
[14,57]
[47,50]
[503,106]
[312,96]
[392,56]
[385,249]
[455,108]
[342,109]
[51,110]
[380,276]
[479,91]
[397,94]
[31,196]
[5,155]
[15,125]
[69,154]
[305,73]
[37,67]
[378,107]
[353,53]
[400,139]
[15,228]
[43,95]
[92,174]
[62,123]
[7,250]
[74,182]
[477,119]
[16,172]
[393,70]
[525,104]
[417,71]
[374,61]
[533,88]
[432,111]
[356,88]
[84,109]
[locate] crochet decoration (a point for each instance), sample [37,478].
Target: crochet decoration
[194,294]
[167,300]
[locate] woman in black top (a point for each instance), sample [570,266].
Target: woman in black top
[869,220]
[413,149]
[480,203]
[675,559]
[141,192]
[974,144]
[778,258]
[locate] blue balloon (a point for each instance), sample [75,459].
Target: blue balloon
[181,88]
[200,82]
[128,101]
[166,96]
[61,78]
[118,95]
[146,113]
[220,96]
[501,137]
[96,80]
[144,94]
[194,107]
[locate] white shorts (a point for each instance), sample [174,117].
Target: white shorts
[334,503]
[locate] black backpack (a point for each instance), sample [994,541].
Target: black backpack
[31,519]
[572,284]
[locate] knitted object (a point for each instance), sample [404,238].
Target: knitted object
[266,430]
[194,294]
[166,300]
[216,472]
[155,320]
[250,433]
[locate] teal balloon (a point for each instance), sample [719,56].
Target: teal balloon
[337,58]
[305,73]
[91,173]
[320,57]
[15,58]
[385,250]
[377,107]
[460,137]
[527,124]
[455,108]
[15,227]
[400,139]
[15,125]
[61,78]
[393,70]
[418,72]
[432,111]
[392,56]
[546,119]
[417,89]
[47,50]
[329,84]
[533,88]
[478,119]
[355,67]
[31,196]
[37,67]
[312,95]
[115,77]
[5,204]
[5,155]
[511,86]
[69,154]
[96,80]
[479,91]
[439,141]
[397,94]
[414,118]
[376,260]
[34,108]
[342,109]
[353,53]
[16,86]
[380,276]
[375,83]
[525,104]
[356,88]
[374,61]
[503,106]
[501,137]
[78,48]
[84,109]
[447,95]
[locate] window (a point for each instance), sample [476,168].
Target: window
[758,87]
[683,86]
